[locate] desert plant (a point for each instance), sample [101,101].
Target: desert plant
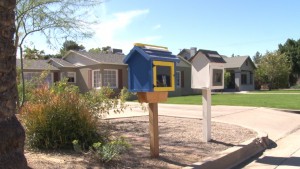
[109,151]
[53,120]
[54,117]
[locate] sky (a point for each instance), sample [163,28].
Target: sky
[226,26]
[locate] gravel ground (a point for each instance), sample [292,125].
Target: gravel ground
[179,139]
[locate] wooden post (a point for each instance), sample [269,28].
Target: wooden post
[206,102]
[153,128]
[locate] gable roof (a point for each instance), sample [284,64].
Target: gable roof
[236,62]
[62,63]
[153,53]
[187,51]
[212,56]
[184,60]
[108,58]
[31,64]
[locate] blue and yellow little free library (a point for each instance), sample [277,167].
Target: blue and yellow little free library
[150,68]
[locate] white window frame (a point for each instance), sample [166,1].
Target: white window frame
[93,79]
[117,77]
[74,73]
[178,78]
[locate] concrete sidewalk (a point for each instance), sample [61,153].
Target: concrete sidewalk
[281,127]
[285,154]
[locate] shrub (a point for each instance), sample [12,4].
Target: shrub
[54,117]
[53,120]
[107,151]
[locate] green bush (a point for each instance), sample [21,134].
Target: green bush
[53,120]
[54,117]
[109,151]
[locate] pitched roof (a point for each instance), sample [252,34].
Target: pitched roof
[62,62]
[187,51]
[109,58]
[35,64]
[183,59]
[152,53]
[212,56]
[235,62]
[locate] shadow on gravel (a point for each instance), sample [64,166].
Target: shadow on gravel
[223,143]
[169,161]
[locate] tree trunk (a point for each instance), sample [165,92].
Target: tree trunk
[12,135]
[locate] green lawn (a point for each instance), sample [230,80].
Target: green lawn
[284,101]
[276,91]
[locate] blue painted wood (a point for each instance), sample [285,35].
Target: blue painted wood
[140,61]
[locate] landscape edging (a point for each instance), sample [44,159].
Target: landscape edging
[234,155]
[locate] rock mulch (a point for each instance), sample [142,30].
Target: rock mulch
[180,144]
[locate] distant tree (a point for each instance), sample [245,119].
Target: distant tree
[257,57]
[274,70]
[232,55]
[227,78]
[33,53]
[48,56]
[291,49]
[53,19]
[95,50]
[70,45]
[106,49]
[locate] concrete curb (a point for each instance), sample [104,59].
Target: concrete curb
[235,155]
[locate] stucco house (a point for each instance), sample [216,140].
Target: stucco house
[183,79]
[34,68]
[241,70]
[92,70]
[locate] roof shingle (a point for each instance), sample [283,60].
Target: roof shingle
[235,62]
[212,56]
[35,65]
[62,62]
[104,57]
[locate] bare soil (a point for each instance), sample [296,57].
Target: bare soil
[180,145]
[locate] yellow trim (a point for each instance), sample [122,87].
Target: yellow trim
[154,76]
[144,45]
[172,76]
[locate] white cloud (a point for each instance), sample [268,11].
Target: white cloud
[156,27]
[111,26]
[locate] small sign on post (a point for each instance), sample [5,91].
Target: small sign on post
[151,73]
[207,74]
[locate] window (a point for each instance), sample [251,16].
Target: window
[96,79]
[31,75]
[71,77]
[244,79]
[163,76]
[110,77]
[178,79]
[217,77]
[34,76]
